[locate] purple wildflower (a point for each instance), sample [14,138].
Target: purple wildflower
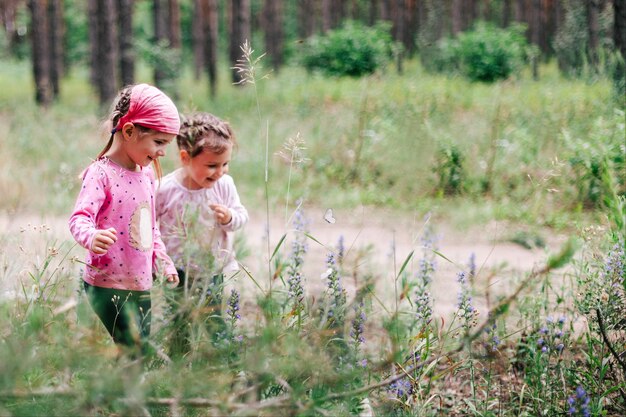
[579,403]
[335,294]
[401,388]
[298,250]
[422,297]
[494,341]
[552,336]
[341,250]
[472,266]
[465,309]
[358,326]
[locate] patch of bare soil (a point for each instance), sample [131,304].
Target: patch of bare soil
[376,241]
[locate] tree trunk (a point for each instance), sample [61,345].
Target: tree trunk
[373,11]
[55,35]
[8,19]
[125,39]
[197,37]
[173,28]
[536,28]
[338,12]
[210,32]
[550,25]
[518,10]
[106,65]
[239,33]
[410,26]
[327,14]
[593,26]
[485,11]
[506,13]
[273,29]
[307,14]
[92,28]
[40,51]
[619,26]
[457,16]
[160,37]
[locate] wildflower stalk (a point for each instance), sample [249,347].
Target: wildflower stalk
[500,309]
[246,67]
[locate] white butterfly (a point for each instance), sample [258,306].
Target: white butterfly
[328,216]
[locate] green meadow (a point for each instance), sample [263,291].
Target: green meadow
[545,157]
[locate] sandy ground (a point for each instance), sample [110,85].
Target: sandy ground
[377,243]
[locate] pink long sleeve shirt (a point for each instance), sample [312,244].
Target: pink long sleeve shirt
[112,196]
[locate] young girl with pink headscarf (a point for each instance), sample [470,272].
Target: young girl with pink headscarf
[114,215]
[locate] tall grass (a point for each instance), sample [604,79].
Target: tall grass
[349,348]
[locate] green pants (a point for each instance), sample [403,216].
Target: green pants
[125,314]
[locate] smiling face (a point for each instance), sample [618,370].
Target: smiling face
[203,170]
[148,146]
[135,147]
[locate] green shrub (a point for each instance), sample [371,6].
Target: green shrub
[489,53]
[353,50]
[450,170]
[486,53]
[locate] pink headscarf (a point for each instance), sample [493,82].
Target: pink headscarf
[151,108]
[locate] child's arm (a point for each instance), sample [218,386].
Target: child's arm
[231,215]
[82,222]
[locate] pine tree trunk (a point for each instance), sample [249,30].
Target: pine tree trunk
[40,51]
[160,37]
[338,13]
[55,35]
[106,64]
[326,15]
[593,27]
[273,29]
[619,26]
[240,33]
[506,13]
[92,30]
[210,30]
[373,12]
[536,28]
[173,28]
[8,18]
[127,53]
[307,15]
[197,37]
[410,26]
[457,16]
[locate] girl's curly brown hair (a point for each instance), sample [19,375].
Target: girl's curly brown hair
[200,131]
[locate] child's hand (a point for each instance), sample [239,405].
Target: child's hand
[222,213]
[172,281]
[102,240]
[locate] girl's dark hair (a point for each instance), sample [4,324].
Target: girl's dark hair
[200,131]
[120,107]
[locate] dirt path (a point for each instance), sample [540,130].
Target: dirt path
[377,242]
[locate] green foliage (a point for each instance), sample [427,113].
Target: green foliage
[353,50]
[599,161]
[76,36]
[449,170]
[486,53]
